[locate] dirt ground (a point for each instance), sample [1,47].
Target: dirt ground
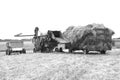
[60,66]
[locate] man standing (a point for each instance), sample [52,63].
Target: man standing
[36,32]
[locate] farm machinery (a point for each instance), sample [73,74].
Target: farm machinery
[52,41]
[93,37]
[15,46]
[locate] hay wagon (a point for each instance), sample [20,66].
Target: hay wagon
[93,37]
[15,46]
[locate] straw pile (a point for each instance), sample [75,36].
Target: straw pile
[83,34]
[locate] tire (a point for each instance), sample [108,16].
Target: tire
[103,52]
[21,52]
[61,50]
[56,49]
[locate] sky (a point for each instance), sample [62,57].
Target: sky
[22,16]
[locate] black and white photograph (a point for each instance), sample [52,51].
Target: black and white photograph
[59,40]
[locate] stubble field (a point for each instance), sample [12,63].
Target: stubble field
[60,66]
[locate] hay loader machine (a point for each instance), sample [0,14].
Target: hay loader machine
[52,41]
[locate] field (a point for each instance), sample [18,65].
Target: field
[60,66]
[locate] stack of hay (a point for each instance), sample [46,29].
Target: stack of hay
[82,35]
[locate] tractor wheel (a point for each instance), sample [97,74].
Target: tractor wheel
[56,49]
[103,52]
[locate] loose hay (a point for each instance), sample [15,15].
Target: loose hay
[74,33]
[93,33]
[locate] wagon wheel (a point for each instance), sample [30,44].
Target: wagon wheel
[103,52]
[61,50]
[85,51]
[20,52]
[24,51]
[56,49]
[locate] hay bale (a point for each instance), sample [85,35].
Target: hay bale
[81,34]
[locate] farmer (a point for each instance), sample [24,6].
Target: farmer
[36,31]
[8,45]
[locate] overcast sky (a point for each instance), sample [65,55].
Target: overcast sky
[22,16]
